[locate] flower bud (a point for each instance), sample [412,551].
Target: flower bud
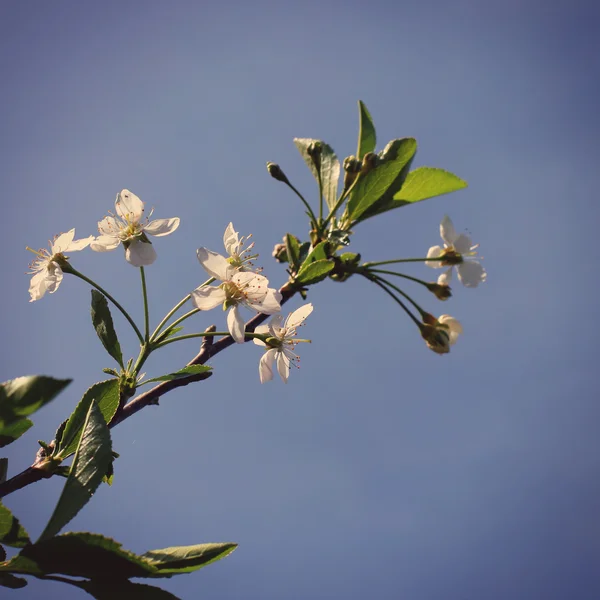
[314,150]
[369,162]
[441,291]
[276,173]
[352,168]
[280,253]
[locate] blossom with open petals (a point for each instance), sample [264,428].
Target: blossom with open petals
[439,334]
[127,228]
[459,252]
[238,288]
[280,344]
[46,268]
[239,257]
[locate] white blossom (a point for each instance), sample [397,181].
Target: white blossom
[280,344]
[459,252]
[46,270]
[237,288]
[439,334]
[127,228]
[239,257]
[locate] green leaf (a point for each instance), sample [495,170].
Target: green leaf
[11,531]
[165,335]
[185,372]
[185,559]
[381,182]
[14,431]
[3,469]
[91,462]
[103,324]
[22,396]
[116,590]
[366,131]
[314,272]
[427,182]
[330,167]
[10,581]
[292,249]
[80,555]
[106,395]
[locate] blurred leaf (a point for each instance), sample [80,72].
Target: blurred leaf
[314,272]
[103,324]
[292,250]
[22,396]
[3,469]
[185,372]
[330,167]
[121,590]
[11,531]
[10,581]
[106,395]
[2,554]
[14,431]
[381,182]
[185,559]
[367,139]
[91,462]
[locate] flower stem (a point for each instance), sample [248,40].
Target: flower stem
[146,311]
[378,282]
[399,260]
[188,336]
[401,292]
[311,214]
[81,276]
[421,281]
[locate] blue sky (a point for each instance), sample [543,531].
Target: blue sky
[381,470]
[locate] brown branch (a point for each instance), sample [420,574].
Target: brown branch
[208,349]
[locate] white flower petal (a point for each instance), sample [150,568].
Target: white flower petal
[463,244]
[230,240]
[236,325]
[283,367]
[434,252]
[61,243]
[208,297]
[265,366]
[270,303]
[77,245]
[446,277]
[471,273]
[296,318]
[447,231]
[37,286]
[160,227]
[454,327]
[276,326]
[54,276]
[140,254]
[262,330]
[104,243]
[109,226]
[215,264]
[129,207]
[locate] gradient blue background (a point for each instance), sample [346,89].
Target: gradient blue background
[381,470]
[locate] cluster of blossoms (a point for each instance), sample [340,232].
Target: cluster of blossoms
[240,283]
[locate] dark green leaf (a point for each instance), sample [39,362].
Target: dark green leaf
[314,272]
[330,167]
[317,253]
[14,431]
[11,531]
[22,396]
[106,395]
[80,555]
[103,324]
[91,462]
[185,559]
[292,250]
[427,182]
[10,581]
[3,469]
[366,131]
[381,182]
[124,590]
[185,372]
[2,554]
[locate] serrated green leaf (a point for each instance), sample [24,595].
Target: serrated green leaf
[103,324]
[117,590]
[185,559]
[14,431]
[381,182]
[317,253]
[427,182]
[91,462]
[80,555]
[185,372]
[292,250]
[314,272]
[10,581]
[22,396]
[330,167]
[367,139]
[106,395]
[12,532]
[3,469]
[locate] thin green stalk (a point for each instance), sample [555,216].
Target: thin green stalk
[188,336]
[396,299]
[400,260]
[308,208]
[397,289]
[146,311]
[103,291]
[421,281]
[340,201]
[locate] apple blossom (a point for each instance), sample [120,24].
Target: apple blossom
[439,334]
[281,343]
[127,228]
[238,288]
[458,252]
[46,268]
